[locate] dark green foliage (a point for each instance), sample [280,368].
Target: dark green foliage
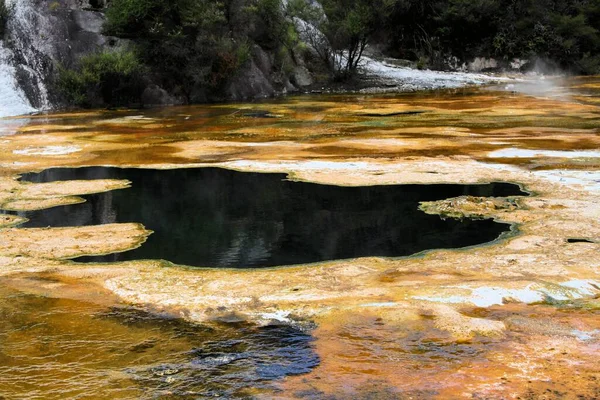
[110,78]
[274,30]
[350,25]
[343,30]
[564,31]
[186,43]
[271,27]
[4,14]
[193,48]
[158,18]
[130,18]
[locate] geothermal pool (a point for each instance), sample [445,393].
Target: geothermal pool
[211,217]
[329,187]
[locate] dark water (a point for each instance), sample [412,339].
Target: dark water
[47,353]
[225,360]
[210,217]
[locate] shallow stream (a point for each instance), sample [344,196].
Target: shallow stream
[65,349]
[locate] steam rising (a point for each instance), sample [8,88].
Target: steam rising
[544,80]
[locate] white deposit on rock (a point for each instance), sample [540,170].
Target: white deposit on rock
[487,296]
[407,79]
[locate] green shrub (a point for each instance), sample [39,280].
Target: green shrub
[272,25]
[156,19]
[344,29]
[187,44]
[226,61]
[108,78]
[422,62]
[129,18]
[589,64]
[563,31]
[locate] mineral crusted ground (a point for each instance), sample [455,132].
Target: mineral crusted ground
[517,318]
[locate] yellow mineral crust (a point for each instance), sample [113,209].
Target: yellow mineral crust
[25,196]
[7,220]
[514,318]
[469,207]
[64,243]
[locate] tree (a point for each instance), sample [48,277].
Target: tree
[563,31]
[187,43]
[339,31]
[349,28]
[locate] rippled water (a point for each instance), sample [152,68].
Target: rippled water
[58,348]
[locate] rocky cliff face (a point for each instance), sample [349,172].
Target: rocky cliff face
[41,35]
[259,78]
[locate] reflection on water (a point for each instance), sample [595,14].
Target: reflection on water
[58,349]
[219,218]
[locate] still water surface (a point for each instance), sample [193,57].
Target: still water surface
[211,217]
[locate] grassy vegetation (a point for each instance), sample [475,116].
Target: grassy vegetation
[109,78]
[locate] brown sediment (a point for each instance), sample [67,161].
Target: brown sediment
[84,287]
[445,323]
[377,355]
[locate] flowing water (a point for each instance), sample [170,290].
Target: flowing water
[48,353]
[12,99]
[25,58]
[63,340]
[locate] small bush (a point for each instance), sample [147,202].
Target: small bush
[228,59]
[422,62]
[129,18]
[109,78]
[589,64]
[272,26]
